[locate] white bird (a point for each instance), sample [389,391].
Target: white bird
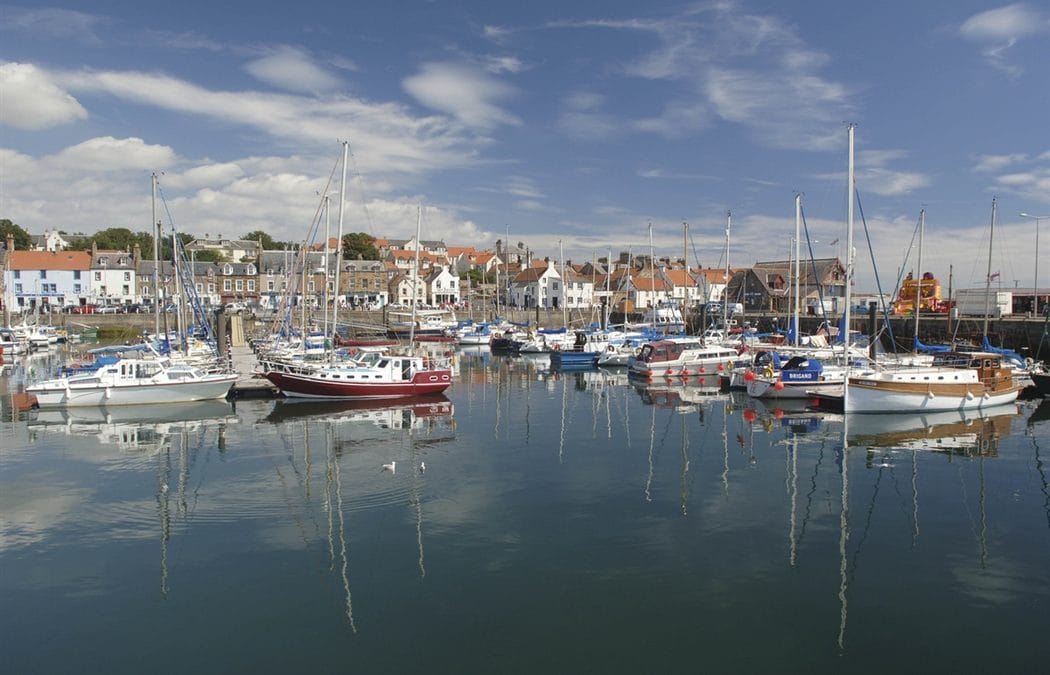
[391,467]
[422,467]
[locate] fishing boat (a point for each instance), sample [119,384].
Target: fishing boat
[799,377]
[133,381]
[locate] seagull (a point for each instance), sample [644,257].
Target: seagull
[422,467]
[391,467]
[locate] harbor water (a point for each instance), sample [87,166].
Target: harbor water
[532,522]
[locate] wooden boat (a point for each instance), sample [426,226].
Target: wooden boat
[955,381]
[133,381]
[382,376]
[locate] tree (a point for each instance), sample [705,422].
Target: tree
[265,240]
[360,245]
[115,239]
[22,238]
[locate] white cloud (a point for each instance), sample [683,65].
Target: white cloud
[203,176]
[115,154]
[384,135]
[583,118]
[998,162]
[1000,29]
[31,101]
[65,24]
[293,70]
[1003,24]
[466,93]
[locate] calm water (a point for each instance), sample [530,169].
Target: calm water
[564,523]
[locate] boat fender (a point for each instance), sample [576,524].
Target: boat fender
[969,396]
[556,347]
[986,396]
[769,370]
[930,395]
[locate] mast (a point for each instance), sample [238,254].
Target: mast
[415,281]
[725,290]
[564,304]
[156,259]
[918,278]
[988,276]
[652,275]
[798,295]
[849,272]
[327,251]
[688,285]
[338,249]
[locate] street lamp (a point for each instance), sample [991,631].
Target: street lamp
[1035,290]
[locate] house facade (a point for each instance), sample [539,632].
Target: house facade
[46,279]
[442,287]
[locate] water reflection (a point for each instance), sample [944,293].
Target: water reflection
[625,505]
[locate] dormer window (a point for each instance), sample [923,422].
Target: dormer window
[123,262]
[103,261]
[251,270]
[227,270]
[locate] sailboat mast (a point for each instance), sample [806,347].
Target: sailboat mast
[652,273]
[988,276]
[338,248]
[725,290]
[798,296]
[918,278]
[564,304]
[415,281]
[156,259]
[686,281]
[849,269]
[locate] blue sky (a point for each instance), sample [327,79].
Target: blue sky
[577,122]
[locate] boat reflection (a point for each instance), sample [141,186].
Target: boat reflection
[415,412]
[142,427]
[678,393]
[968,433]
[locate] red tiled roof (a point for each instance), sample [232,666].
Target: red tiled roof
[49,260]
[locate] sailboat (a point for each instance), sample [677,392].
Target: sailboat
[954,381]
[374,374]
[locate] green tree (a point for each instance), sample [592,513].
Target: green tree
[360,245]
[209,255]
[267,242]
[116,239]
[22,238]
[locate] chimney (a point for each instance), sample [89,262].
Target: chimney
[10,242]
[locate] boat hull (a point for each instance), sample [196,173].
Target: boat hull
[54,395]
[308,385]
[877,397]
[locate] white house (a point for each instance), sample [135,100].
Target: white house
[401,290]
[537,286]
[54,278]
[442,287]
[112,280]
[577,291]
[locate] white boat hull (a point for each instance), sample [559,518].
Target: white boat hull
[53,395]
[867,399]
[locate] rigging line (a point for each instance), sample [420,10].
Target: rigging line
[813,262]
[364,195]
[1042,477]
[812,491]
[875,269]
[867,527]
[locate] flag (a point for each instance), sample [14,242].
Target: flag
[993,276]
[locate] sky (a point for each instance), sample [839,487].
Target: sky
[567,126]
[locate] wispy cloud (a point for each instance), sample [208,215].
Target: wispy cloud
[52,22]
[998,30]
[584,118]
[465,92]
[737,66]
[998,162]
[293,70]
[32,101]
[386,136]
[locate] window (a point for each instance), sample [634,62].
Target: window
[76,274]
[240,284]
[98,276]
[124,290]
[18,274]
[251,284]
[43,274]
[227,270]
[127,276]
[211,288]
[198,287]
[227,285]
[269,284]
[309,285]
[18,288]
[76,288]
